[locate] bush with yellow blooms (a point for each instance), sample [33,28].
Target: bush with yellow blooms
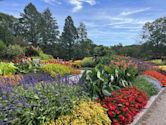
[85,113]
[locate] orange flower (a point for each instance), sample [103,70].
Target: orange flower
[157,75]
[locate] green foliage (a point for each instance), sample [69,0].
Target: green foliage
[2,45]
[44,56]
[7,68]
[68,39]
[130,50]
[50,32]
[154,37]
[102,80]
[157,61]
[28,66]
[39,104]
[14,51]
[31,51]
[88,62]
[6,28]
[2,49]
[105,60]
[102,51]
[56,69]
[30,24]
[145,86]
[37,52]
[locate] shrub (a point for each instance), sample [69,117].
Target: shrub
[76,64]
[2,49]
[157,61]
[145,86]
[7,68]
[88,62]
[102,80]
[56,61]
[123,105]
[162,67]
[14,51]
[157,75]
[31,51]
[44,56]
[37,104]
[105,60]
[27,65]
[85,113]
[58,69]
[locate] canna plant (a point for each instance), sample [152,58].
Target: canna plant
[102,80]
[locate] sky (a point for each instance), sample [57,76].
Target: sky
[109,22]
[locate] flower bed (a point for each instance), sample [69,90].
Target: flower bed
[7,68]
[141,65]
[37,104]
[123,105]
[162,67]
[10,80]
[56,61]
[59,69]
[32,79]
[157,75]
[85,113]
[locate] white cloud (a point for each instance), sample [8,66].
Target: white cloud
[127,13]
[51,2]
[78,4]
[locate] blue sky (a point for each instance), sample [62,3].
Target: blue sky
[109,22]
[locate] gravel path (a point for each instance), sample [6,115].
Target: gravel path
[157,113]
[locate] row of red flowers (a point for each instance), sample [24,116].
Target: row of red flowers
[157,75]
[56,61]
[124,104]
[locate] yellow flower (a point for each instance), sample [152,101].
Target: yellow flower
[85,113]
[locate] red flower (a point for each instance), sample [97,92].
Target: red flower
[124,104]
[110,113]
[121,117]
[157,75]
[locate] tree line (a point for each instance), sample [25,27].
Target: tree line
[41,30]
[152,43]
[37,29]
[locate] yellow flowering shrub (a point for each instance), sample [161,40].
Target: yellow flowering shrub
[85,113]
[76,63]
[59,69]
[162,67]
[157,61]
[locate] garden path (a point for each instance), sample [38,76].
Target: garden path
[157,113]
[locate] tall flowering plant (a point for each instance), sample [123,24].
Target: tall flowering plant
[123,105]
[102,80]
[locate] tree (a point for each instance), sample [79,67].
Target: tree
[82,32]
[50,28]
[50,32]
[85,48]
[68,39]
[154,37]
[102,51]
[83,43]
[30,24]
[7,28]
